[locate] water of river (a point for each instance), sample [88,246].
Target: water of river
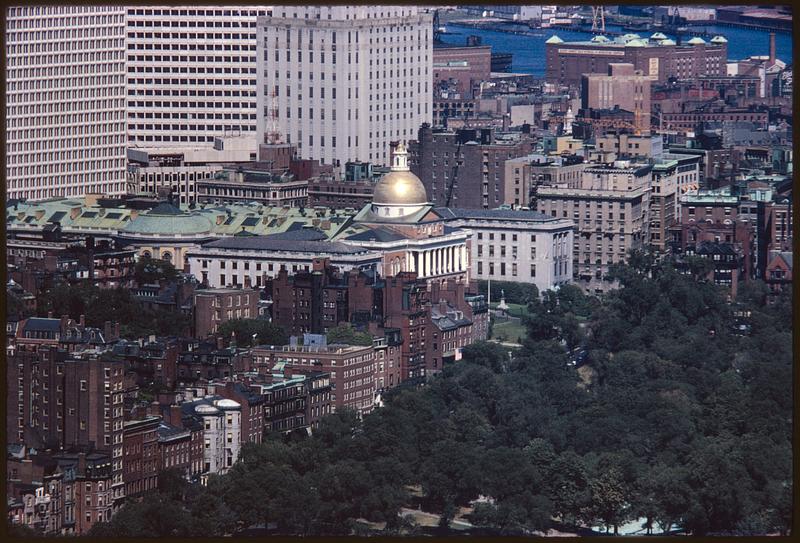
[529,51]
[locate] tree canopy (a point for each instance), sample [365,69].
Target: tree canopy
[676,420]
[101,305]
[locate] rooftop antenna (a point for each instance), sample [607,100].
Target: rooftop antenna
[273,135]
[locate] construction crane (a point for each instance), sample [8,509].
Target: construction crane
[454,172]
[436,28]
[598,14]
[612,123]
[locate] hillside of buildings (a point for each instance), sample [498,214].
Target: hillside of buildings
[310,270]
[679,420]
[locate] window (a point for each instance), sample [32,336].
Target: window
[83,385]
[533,270]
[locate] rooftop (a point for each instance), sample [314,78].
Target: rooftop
[271,243]
[496,214]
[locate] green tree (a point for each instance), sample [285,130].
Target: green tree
[249,332]
[344,333]
[152,270]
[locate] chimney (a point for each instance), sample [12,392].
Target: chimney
[82,321]
[107,330]
[247,282]
[81,464]
[64,322]
[175,416]
[49,314]
[116,330]
[771,48]
[220,343]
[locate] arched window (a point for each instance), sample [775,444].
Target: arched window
[166,257]
[146,254]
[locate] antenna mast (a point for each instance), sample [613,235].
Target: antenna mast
[273,136]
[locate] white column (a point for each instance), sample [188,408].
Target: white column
[410,261]
[428,263]
[464,263]
[450,262]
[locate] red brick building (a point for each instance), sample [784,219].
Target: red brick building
[88,490]
[566,62]
[351,369]
[461,67]
[779,270]
[406,309]
[174,449]
[141,456]
[215,306]
[252,404]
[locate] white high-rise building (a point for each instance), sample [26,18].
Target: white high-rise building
[341,82]
[191,73]
[65,100]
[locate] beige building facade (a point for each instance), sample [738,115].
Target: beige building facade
[611,212]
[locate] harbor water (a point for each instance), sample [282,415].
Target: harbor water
[529,51]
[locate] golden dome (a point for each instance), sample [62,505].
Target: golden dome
[400,186]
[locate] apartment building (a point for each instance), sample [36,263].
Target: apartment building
[65,100]
[221,419]
[351,369]
[611,212]
[215,306]
[524,173]
[68,400]
[141,455]
[342,82]
[191,72]
[663,202]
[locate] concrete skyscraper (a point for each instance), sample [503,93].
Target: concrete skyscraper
[191,73]
[65,100]
[342,82]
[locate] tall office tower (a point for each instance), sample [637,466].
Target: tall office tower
[65,100]
[342,82]
[191,73]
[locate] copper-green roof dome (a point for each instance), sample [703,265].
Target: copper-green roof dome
[167,219]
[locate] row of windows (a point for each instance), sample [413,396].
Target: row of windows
[189,46]
[200,12]
[189,70]
[200,23]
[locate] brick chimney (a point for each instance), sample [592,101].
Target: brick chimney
[49,314]
[63,324]
[176,416]
[771,48]
[82,321]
